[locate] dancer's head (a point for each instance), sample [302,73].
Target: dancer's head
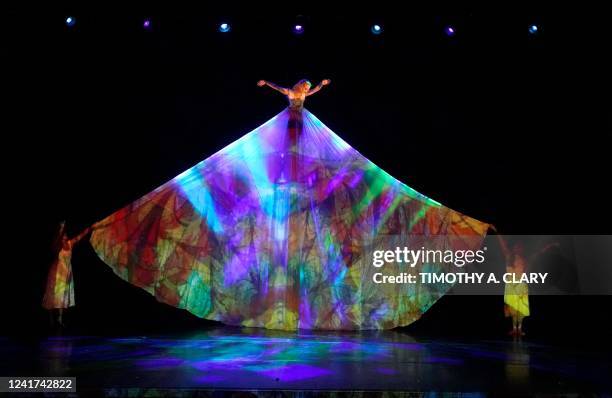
[302,86]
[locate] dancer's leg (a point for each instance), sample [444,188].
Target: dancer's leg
[520,326]
[514,330]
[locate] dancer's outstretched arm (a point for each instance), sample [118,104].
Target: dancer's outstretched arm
[502,244]
[500,239]
[80,236]
[319,86]
[543,250]
[280,89]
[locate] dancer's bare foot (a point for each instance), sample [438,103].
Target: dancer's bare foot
[60,318]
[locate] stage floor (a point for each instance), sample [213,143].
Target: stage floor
[254,359]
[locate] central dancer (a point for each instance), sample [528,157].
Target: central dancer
[285,228]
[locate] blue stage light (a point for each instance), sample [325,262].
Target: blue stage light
[298,29]
[533,29]
[450,31]
[224,27]
[376,29]
[70,21]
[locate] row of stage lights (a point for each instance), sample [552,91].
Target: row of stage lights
[299,29]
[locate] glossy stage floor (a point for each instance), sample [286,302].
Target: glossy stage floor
[258,360]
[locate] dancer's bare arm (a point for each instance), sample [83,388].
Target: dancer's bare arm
[502,243]
[280,89]
[319,87]
[80,236]
[543,250]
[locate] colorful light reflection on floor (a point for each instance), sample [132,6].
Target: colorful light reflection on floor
[229,358]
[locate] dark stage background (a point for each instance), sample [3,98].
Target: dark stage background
[507,127]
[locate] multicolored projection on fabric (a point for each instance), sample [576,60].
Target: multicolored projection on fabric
[272,231]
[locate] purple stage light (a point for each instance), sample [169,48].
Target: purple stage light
[298,29]
[146,24]
[450,31]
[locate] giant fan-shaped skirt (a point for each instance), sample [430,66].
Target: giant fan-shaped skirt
[273,231]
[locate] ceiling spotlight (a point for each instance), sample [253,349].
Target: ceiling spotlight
[224,27]
[298,29]
[450,31]
[533,29]
[376,29]
[70,21]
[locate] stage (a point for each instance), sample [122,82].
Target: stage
[181,170]
[234,359]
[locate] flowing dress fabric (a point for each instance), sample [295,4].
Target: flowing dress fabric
[59,291]
[516,295]
[273,231]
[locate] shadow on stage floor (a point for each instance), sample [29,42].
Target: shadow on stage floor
[225,358]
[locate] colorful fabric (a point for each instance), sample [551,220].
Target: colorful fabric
[272,232]
[516,295]
[59,292]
